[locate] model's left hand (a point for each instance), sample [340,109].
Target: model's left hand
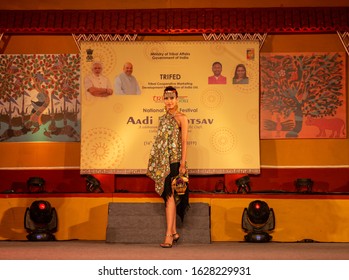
[182,170]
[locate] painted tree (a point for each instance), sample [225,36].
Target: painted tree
[43,80]
[302,85]
[10,88]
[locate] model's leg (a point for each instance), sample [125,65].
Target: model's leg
[175,234]
[170,212]
[171,227]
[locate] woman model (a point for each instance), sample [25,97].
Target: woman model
[168,159]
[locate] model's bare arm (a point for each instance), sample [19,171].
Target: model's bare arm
[184,130]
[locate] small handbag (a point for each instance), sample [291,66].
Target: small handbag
[180,184]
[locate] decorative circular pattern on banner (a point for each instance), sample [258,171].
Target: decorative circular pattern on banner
[212,99]
[101,52]
[223,140]
[103,149]
[253,116]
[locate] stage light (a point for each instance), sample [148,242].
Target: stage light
[243,184]
[304,183]
[258,220]
[36,185]
[93,185]
[40,221]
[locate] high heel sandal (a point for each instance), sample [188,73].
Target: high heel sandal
[167,245]
[175,237]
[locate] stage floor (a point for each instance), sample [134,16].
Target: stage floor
[100,250]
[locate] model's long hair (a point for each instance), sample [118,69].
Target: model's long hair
[169,88]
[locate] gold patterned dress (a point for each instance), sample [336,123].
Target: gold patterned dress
[164,161]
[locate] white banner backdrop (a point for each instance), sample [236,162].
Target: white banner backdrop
[118,130]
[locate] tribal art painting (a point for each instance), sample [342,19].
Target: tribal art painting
[303,95]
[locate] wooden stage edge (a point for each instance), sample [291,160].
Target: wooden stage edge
[320,217]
